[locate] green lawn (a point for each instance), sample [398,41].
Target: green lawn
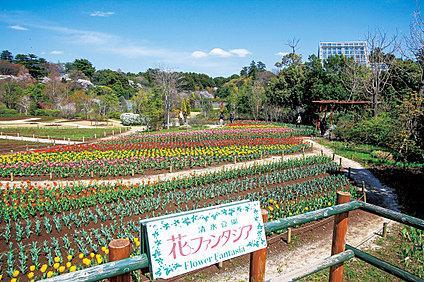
[366,155]
[75,134]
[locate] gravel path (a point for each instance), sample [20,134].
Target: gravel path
[39,140]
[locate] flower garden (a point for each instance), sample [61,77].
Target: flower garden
[152,152]
[50,228]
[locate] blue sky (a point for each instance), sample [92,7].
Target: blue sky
[214,37]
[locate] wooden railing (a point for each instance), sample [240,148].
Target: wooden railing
[340,251]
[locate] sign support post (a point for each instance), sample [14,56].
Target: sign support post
[258,259]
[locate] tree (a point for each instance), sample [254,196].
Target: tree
[24,104]
[6,55]
[84,103]
[149,103]
[168,82]
[415,44]
[37,67]
[115,80]
[185,108]
[409,134]
[57,92]
[382,49]
[107,103]
[82,65]
[205,106]
[293,43]
[257,99]
[10,92]
[8,68]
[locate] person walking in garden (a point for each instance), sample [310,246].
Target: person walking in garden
[298,121]
[231,117]
[221,119]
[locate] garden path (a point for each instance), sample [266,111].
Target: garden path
[39,140]
[306,250]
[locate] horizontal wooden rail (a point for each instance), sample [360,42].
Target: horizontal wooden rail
[103,271]
[284,223]
[385,266]
[325,263]
[396,216]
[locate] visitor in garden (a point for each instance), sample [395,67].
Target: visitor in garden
[298,121]
[231,117]
[221,119]
[323,125]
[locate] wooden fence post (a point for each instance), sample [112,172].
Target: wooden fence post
[119,249]
[289,231]
[339,236]
[384,229]
[258,259]
[364,193]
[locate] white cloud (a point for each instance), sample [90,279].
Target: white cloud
[281,54]
[241,52]
[219,52]
[17,27]
[199,54]
[56,52]
[101,14]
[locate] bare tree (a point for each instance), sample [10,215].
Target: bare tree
[293,43]
[382,48]
[257,98]
[24,104]
[353,76]
[415,44]
[169,81]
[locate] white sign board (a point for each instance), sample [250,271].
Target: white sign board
[187,241]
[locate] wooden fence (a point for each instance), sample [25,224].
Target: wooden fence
[340,252]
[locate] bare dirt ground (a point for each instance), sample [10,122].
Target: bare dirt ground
[310,244]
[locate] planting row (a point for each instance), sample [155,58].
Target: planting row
[148,152]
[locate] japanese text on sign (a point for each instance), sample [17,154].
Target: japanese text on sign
[189,241]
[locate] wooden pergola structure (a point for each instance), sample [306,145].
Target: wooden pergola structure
[324,104]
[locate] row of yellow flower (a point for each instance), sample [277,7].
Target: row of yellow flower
[59,268]
[147,153]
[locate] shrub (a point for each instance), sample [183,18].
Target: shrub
[131,119]
[47,112]
[375,130]
[5,112]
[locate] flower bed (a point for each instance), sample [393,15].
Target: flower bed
[151,152]
[49,229]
